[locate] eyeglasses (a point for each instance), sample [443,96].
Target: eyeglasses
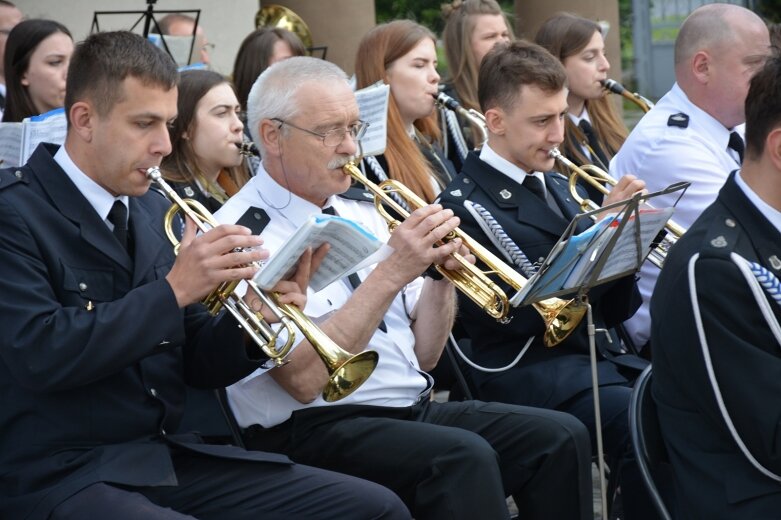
[334,137]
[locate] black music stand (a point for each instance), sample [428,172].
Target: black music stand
[148,17]
[616,249]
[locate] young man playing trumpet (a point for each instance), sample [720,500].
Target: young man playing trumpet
[522,91]
[445,460]
[715,330]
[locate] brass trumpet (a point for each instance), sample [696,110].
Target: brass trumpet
[615,87]
[560,316]
[599,179]
[477,119]
[347,372]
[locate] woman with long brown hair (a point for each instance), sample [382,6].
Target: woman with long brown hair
[205,163]
[402,54]
[472,28]
[593,131]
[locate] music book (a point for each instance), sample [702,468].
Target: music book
[19,140]
[352,248]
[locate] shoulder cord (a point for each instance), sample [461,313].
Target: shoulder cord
[755,276]
[455,131]
[486,369]
[376,168]
[500,238]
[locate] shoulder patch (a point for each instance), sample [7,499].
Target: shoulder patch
[255,219]
[12,176]
[721,238]
[680,120]
[357,193]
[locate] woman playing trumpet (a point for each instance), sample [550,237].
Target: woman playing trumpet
[205,163]
[594,132]
[403,55]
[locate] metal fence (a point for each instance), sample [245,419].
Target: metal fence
[654,28]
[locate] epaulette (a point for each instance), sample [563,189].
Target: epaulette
[460,188]
[12,176]
[256,219]
[680,120]
[357,193]
[721,238]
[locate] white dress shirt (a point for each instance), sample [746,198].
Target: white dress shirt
[397,381]
[96,195]
[493,159]
[661,155]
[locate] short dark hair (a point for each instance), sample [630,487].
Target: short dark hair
[255,54]
[763,106]
[102,62]
[507,67]
[22,41]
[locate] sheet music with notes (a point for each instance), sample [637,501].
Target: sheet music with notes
[18,141]
[352,248]
[373,106]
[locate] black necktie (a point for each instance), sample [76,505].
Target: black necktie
[593,142]
[736,143]
[353,278]
[534,185]
[118,217]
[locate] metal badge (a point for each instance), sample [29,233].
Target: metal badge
[505,194]
[89,306]
[188,191]
[730,223]
[775,262]
[719,241]
[456,193]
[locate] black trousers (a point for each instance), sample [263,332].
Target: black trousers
[226,489]
[449,460]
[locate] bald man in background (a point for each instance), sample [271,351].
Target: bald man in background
[695,132]
[182,25]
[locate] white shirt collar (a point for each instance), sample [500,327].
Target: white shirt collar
[583,116]
[490,157]
[96,195]
[715,131]
[768,211]
[275,196]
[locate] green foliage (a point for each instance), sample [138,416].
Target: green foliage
[770,10]
[425,12]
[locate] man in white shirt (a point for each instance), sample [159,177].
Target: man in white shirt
[445,460]
[688,136]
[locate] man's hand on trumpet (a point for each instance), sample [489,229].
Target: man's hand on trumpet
[293,289]
[626,187]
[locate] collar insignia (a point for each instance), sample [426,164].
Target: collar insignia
[188,191]
[456,193]
[775,262]
[505,194]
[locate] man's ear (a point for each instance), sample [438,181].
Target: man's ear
[270,133]
[82,117]
[701,66]
[773,147]
[495,121]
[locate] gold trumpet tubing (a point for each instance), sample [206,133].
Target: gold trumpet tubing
[561,317]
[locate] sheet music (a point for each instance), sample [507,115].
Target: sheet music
[10,144]
[50,127]
[373,106]
[352,248]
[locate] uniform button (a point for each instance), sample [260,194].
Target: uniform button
[18,174]
[729,222]
[153,392]
[466,181]
[162,432]
[82,286]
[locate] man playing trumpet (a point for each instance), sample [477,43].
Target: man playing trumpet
[522,91]
[445,460]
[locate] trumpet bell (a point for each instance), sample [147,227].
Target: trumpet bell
[348,375]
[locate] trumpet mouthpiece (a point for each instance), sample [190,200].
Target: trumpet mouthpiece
[153,173]
[248,148]
[613,86]
[446,101]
